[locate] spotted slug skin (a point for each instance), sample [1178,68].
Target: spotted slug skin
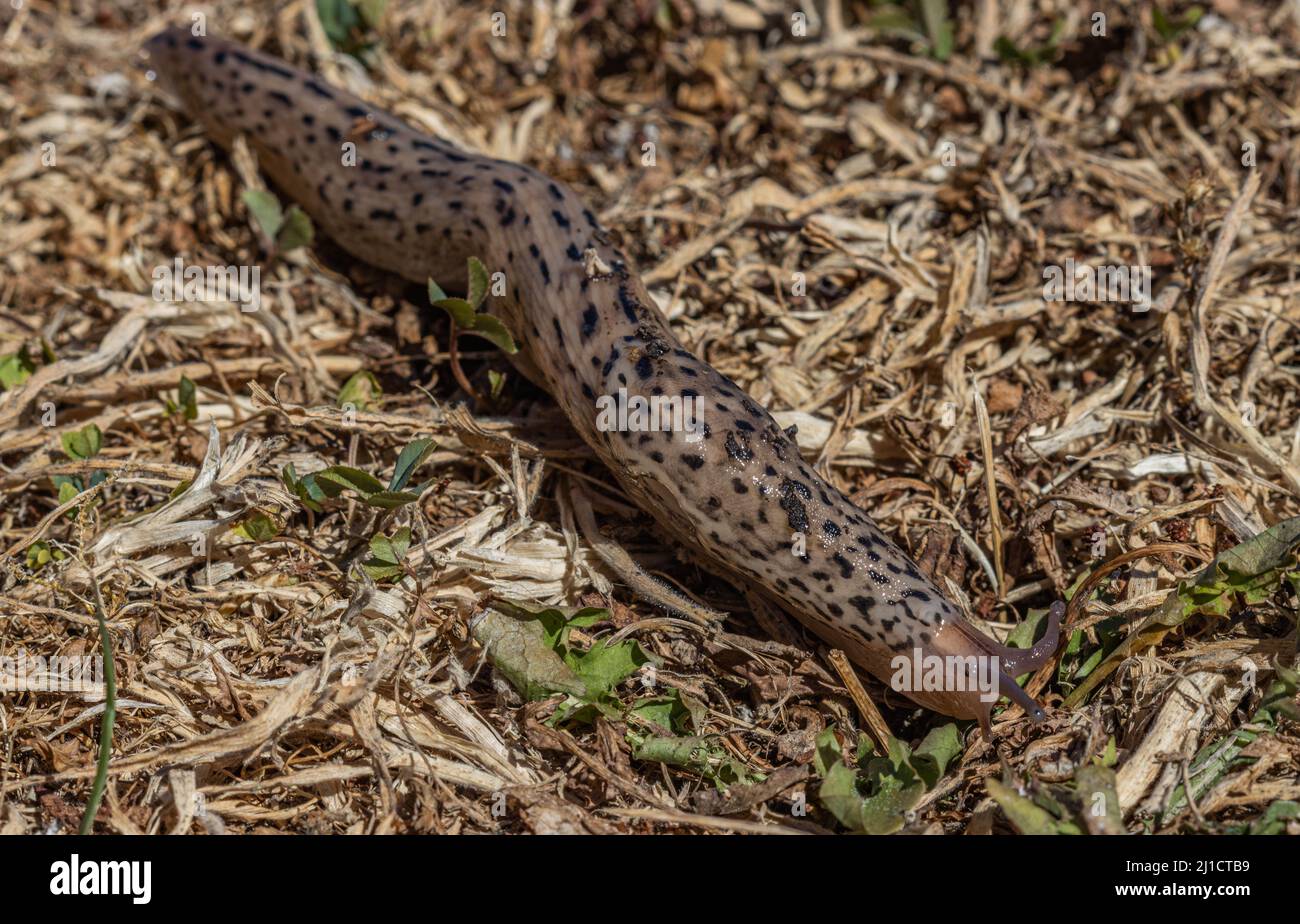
[419,207]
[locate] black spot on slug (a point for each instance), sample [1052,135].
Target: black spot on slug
[737,451]
[590,318]
[795,512]
[863,605]
[318,88]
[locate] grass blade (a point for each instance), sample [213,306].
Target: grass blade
[106,723]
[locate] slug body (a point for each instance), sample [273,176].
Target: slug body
[735,490]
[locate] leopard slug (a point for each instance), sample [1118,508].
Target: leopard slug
[737,492]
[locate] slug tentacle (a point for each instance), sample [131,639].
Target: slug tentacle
[1020,661]
[731,484]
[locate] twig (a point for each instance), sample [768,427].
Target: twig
[990,483]
[453,357]
[870,714]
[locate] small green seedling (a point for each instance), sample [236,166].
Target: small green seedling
[78,445]
[316,488]
[1031,56]
[347,23]
[361,391]
[15,368]
[386,554]
[925,22]
[283,231]
[465,311]
[186,403]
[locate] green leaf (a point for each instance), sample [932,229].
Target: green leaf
[387,554]
[877,798]
[392,549]
[82,444]
[346,22]
[412,455]
[490,328]
[39,554]
[938,27]
[296,231]
[478,282]
[371,11]
[379,571]
[1097,799]
[675,712]
[895,21]
[935,752]
[1275,818]
[337,18]
[827,752]
[258,526]
[389,500]
[603,666]
[361,390]
[839,795]
[519,650]
[67,491]
[1110,756]
[558,622]
[1027,817]
[692,752]
[330,482]
[187,392]
[346,476]
[1170,30]
[461,311]
[266,212]
[306,488]
[885,812]
[600,668]
[15,369]
[1012,53]
[699,754]
[1162,24]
